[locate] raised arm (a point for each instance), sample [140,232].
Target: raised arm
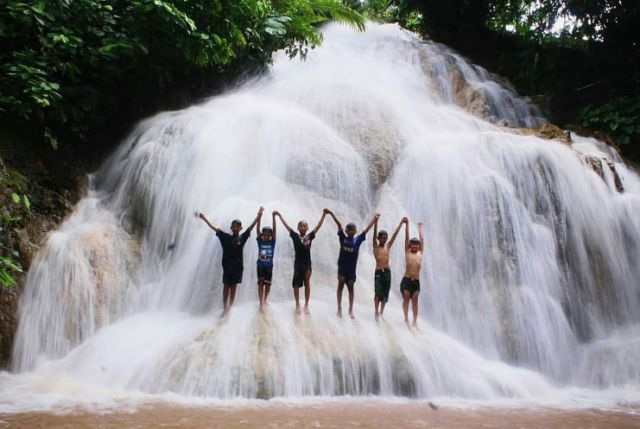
[421,235]
[273,224]
[395,233]
[374,220]
[284,222]
[319,224]
[208,222]
[256,220]
[375,234]
[335,219]
[259,223]
[406,233]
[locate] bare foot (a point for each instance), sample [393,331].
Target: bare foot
[415,325]
[262,308]
[224,312]
[377,317]
[306,310]
[406,322]
[351,315]
[339,313]
[298,310]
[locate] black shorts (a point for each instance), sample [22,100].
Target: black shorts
[299,274]
[232,275]
[348,272]
[382,284]
[410,285]
[265,274]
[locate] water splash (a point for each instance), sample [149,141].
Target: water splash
[531,256]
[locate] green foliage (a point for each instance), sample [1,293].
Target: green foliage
[14,185]
[620,117]
[62,62]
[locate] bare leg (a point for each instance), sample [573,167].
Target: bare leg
[350,290]
[232,294]
[296,295]
[405,305]
[414,308]
[267,289]
[261,294]
[339,294]
[382,304]
[376,302]
[225,298]
[307,290]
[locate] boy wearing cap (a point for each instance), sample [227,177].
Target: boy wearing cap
[232,263]
[348,259]
[266,238]
[381,250]
[410,285]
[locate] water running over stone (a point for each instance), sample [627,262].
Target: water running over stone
[530,275]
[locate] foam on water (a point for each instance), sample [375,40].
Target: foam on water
[530,275]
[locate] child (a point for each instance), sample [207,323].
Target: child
[348,259]
[266,247]
[232,264]
[410,285]
[302,260]
[381,250]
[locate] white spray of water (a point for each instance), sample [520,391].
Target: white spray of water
[530,262]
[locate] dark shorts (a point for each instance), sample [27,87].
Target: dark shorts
[231,275]
[348,272]
[265,273]
[410,285]
[383,284]
[299,274]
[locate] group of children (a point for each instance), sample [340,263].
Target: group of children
[232,261]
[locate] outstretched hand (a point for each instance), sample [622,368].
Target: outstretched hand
[405,220]
[275,213]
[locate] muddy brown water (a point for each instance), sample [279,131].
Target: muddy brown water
[326,415]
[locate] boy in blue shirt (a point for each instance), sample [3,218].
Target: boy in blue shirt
[266,238]
[348,259]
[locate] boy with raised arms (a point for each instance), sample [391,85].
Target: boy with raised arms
[348,259]
[381,250]
[232,263]
[302,261]
[410,285]
[266,238]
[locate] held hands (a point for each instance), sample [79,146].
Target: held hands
[405,220]
[275,213]
[260,210]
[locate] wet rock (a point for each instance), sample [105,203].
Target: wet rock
[599,164]
[547,132]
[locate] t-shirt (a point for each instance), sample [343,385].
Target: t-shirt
[349,248]
[302,247]
[265,252]
[232,247]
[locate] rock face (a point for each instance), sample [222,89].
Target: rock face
[547,132]
[21,236]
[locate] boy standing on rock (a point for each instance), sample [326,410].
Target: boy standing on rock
[410,285]
[232,263]
[348,259]
[381,250]
[302,260]
[266,238]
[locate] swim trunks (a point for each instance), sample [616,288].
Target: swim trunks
[299,274]
[382,284]
[410,285]
[264,273]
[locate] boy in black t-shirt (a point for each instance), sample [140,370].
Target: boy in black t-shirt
[302,261]
[232,263]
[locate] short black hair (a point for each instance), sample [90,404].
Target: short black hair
[382,233]
[351,225]
[267,229]
[414,240]
[236,222]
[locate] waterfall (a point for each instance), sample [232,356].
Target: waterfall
[530,276]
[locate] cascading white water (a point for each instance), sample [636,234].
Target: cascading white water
[530,275]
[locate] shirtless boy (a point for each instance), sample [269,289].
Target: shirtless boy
[381,249]
[302,261]
[348,259]
[232,263]
[410,285]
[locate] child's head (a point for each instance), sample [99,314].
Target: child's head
[303,227]
[236,226]
[382,237]
[267,233]
[414,245]
[351,229]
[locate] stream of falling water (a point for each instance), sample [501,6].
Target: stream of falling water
[530,274]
